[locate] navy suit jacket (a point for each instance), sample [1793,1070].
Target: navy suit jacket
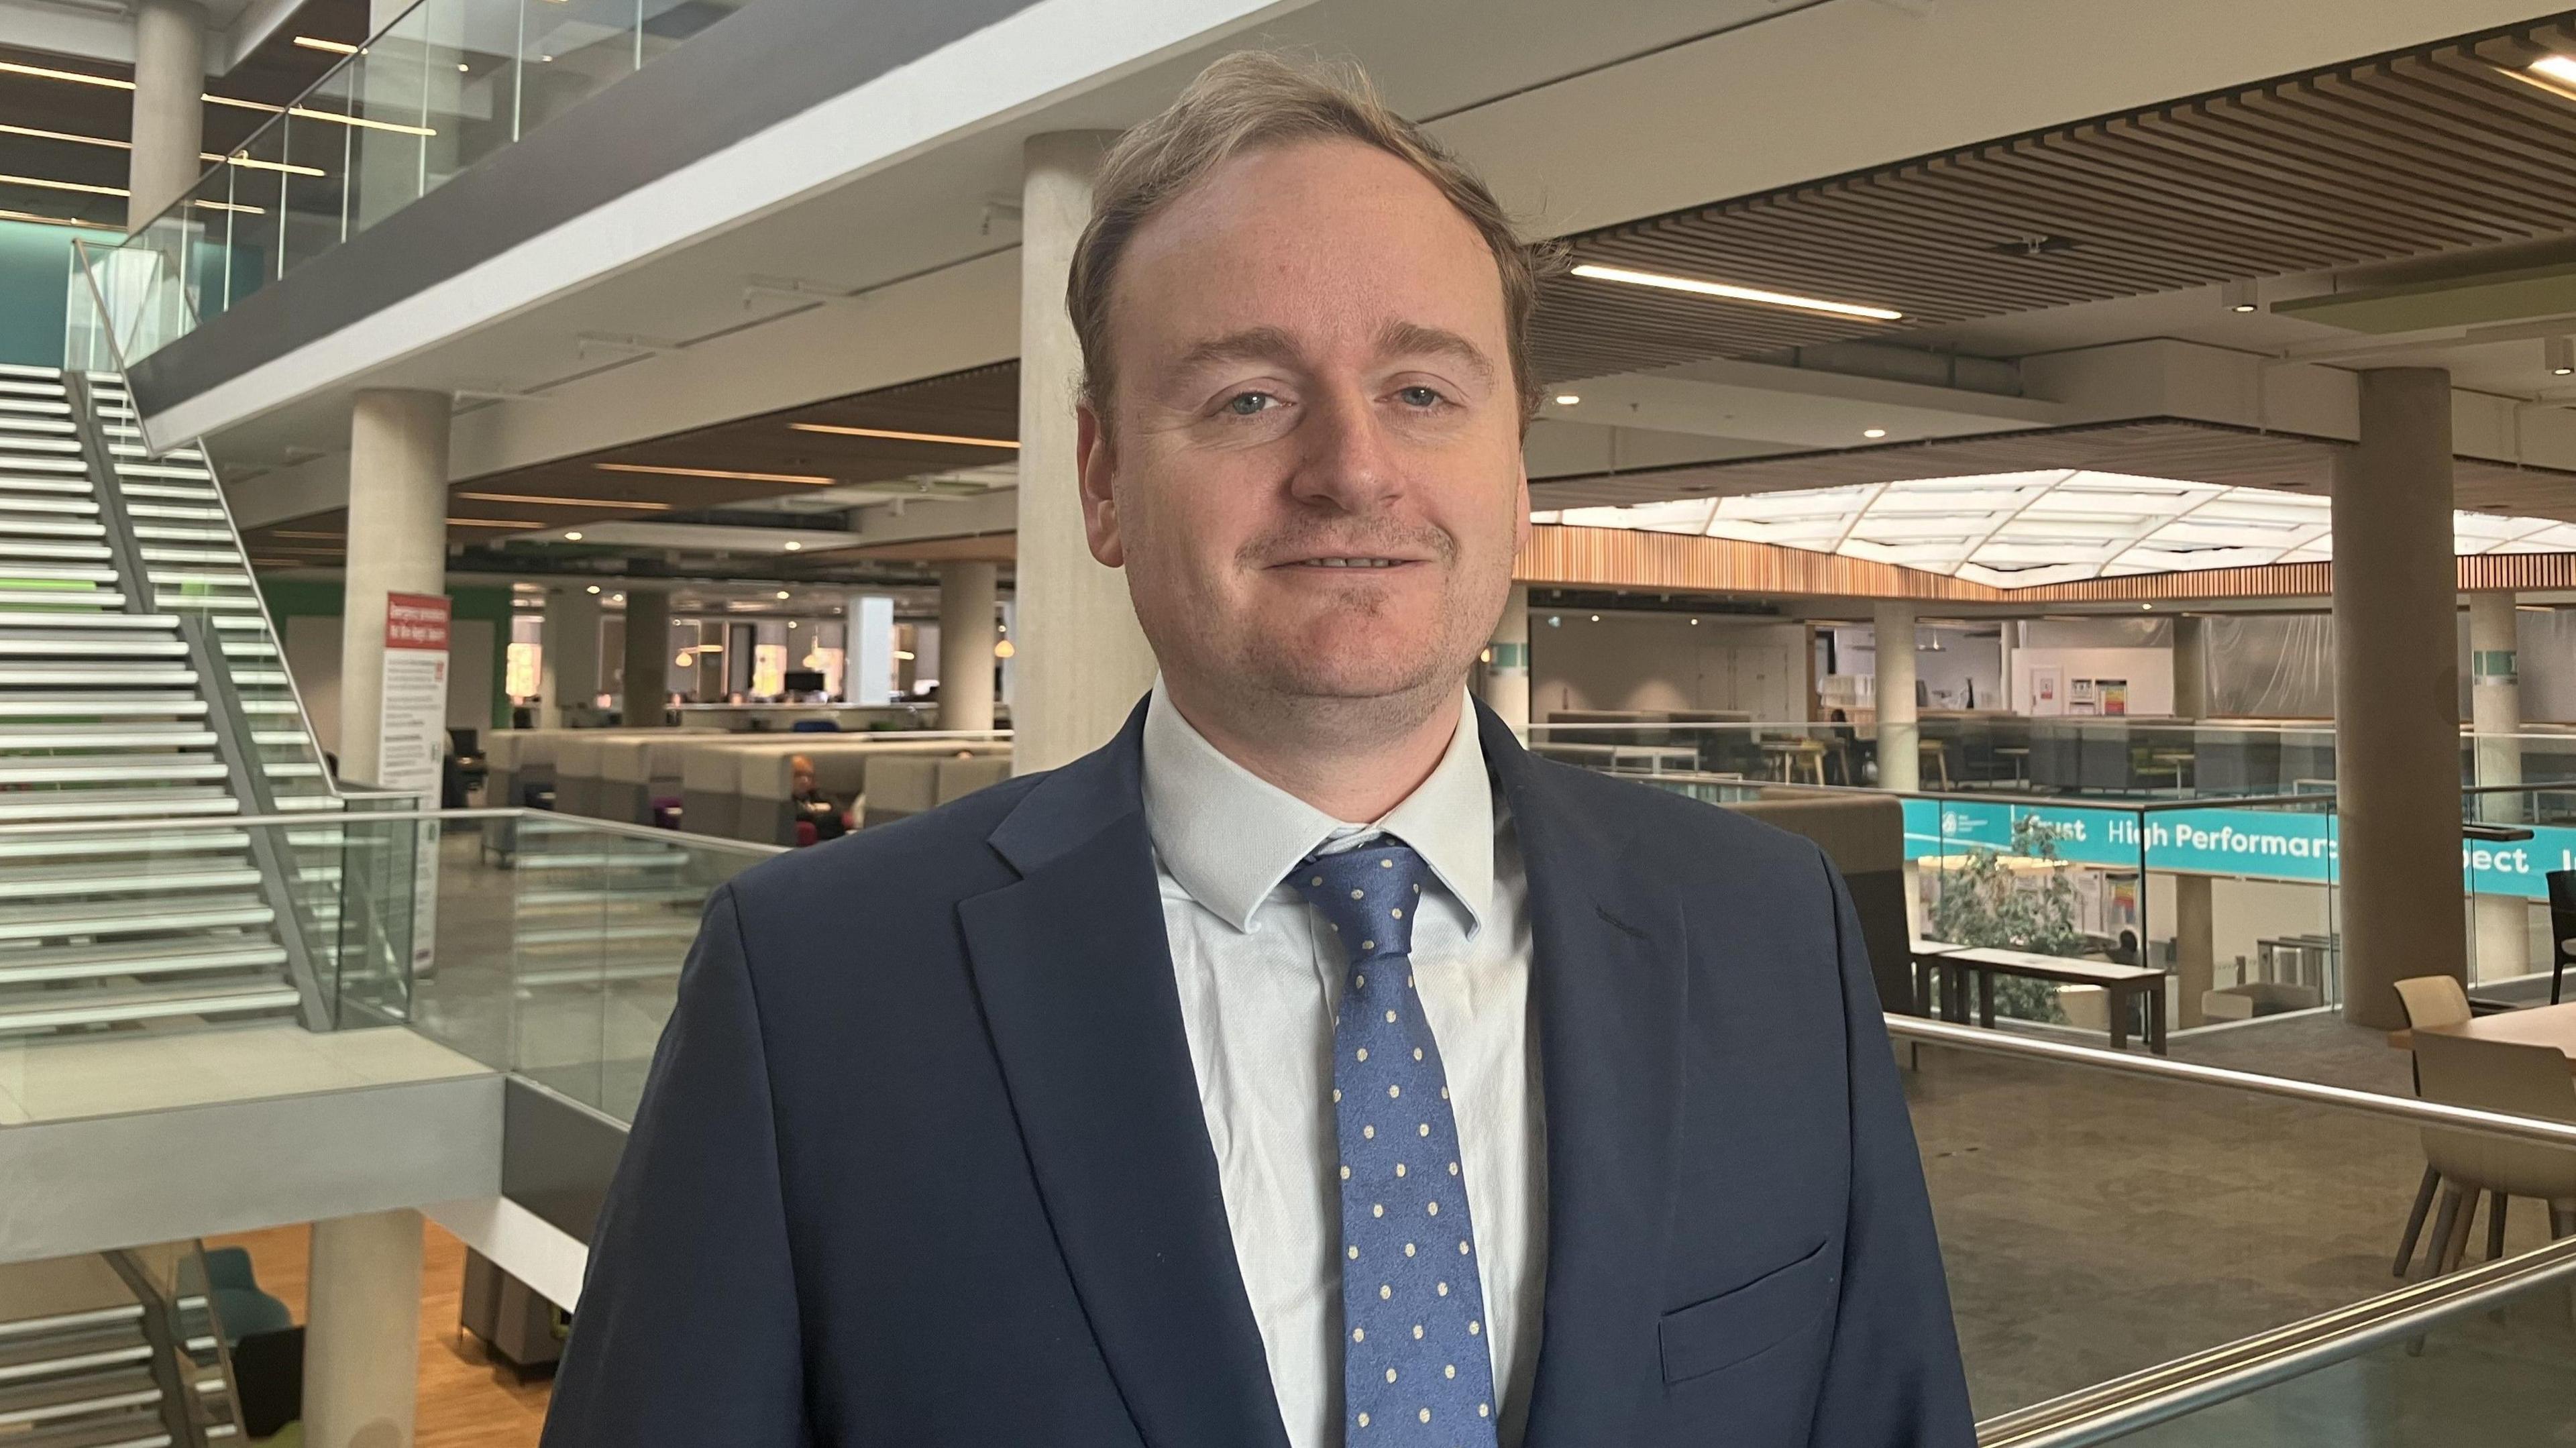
[922,1162]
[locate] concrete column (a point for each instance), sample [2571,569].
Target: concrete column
[2503,922]
[2191,667]
[867,650]
[362,1332]
[2397,696]
[397,544]
[966,638]
[169,109]
[2195,914]
[1507,670]
[647,676]
[569,665]
[1081,660]
[1899,765]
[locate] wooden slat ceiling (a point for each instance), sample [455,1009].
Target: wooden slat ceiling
[982,403]
[2395,157]
[2147,447]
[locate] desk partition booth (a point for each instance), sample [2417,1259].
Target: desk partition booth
[636,771]
[855,770]
[1864,836]
[711,779]
[525,763]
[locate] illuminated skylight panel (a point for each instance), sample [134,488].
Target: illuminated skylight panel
[2018,530]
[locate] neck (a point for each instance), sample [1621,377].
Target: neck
[1352,759]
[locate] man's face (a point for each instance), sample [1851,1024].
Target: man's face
[1311,467]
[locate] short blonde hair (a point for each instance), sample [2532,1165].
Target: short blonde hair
[1249,100]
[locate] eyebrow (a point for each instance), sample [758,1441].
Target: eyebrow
[1412,339]
[1398,339]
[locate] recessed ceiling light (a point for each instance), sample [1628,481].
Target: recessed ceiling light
[594,588]
[1873,432]
[573,537]
[819,482]
[793,545]
[1567,399]
[617,598]
[896,435]
[1735,293]
[782,593]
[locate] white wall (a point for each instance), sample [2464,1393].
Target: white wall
[2138,651]
[313,659]
[1664,661]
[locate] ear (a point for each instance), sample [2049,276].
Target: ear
[1095,464]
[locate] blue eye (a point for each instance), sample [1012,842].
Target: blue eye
[1248,404]
[1420,397]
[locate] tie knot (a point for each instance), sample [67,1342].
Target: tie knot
[1368,894]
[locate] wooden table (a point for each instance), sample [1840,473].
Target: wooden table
[2120,982]
[2530,1026]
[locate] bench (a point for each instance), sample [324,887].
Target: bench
[2121,983]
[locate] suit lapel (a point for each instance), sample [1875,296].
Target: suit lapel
[1609,985]
[1075,974]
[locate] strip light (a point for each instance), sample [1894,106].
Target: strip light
[564,502]
[1733,293]
[492,523]
[715,473]
[39,133]
[896,436]
[335,47]
[40,72]
[84,186]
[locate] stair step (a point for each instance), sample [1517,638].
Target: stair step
[52,676]
[181,471]
[107,705]
[163,490]
[99,647]
[166,533]
[188,555]
[160,844]
[130,1312]
[54,573]
[160,958]
[108,1008]
[35,425]
[40,922]
[62,882]
[109,804]
[35,406]
[156,622]
[170,511]
[25,464]
[49,1402]
[89,769]
[66,599]
[13,547]
[32,527]
[41,1361]
[15,737]
[132,1430]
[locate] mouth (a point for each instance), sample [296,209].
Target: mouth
[1359,563]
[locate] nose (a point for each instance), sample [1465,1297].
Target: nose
[1345,463]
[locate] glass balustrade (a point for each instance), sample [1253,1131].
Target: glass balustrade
[442,86]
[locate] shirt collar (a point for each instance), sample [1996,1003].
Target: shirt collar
[1229,836]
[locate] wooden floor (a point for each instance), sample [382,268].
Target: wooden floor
[466,1399]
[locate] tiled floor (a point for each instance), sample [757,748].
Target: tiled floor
[58,1080]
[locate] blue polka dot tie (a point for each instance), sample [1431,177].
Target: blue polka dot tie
[1415,1370]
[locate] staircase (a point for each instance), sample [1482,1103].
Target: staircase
[140,683]
[98,1352]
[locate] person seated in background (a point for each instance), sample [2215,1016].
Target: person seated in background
[812,805]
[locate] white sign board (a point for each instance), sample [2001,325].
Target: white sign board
[411,734]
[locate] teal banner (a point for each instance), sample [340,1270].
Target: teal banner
[2252,843]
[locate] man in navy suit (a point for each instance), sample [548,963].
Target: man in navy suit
[1310,1065]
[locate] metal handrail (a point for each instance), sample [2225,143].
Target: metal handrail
[2395,1108]
[316,819]
[2113,1410]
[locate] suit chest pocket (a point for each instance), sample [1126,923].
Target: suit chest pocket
[1727,1329]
